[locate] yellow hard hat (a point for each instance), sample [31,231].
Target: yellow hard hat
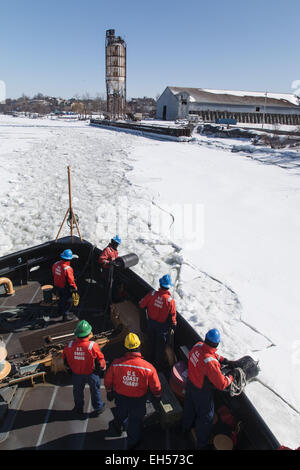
[132,341]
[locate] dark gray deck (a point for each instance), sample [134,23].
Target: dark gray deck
[41,417]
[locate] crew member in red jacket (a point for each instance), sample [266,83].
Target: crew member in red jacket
[110,253]
[106,259]
[64,283]
[204,374]
[128,381]
[161,311]
[86,362]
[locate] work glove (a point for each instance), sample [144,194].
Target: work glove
[110,395]
[75,298]
[227,362]
[172,330]
[235,374]
[101,371]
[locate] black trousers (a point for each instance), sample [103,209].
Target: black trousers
[65,300]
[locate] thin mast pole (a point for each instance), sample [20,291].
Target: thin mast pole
[72,217]
[70,201]
[264,115]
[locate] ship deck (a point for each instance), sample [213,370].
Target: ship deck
[41,416]
[36,413]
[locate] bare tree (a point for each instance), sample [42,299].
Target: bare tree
[78,107]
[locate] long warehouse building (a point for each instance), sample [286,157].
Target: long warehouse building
[243,106]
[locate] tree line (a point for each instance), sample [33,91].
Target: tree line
[84,105]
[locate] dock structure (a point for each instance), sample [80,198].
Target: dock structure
[159,130]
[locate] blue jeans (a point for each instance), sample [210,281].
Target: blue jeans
[130,412]
[199,411]
[79,382]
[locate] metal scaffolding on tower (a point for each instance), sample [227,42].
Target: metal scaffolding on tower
[115,75]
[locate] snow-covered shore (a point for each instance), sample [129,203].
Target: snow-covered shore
[240,274]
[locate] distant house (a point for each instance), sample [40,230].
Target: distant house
[244,106]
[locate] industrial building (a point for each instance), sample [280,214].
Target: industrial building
[115,61]
[242,106]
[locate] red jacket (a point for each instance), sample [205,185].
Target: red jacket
[63,274]
[108,254]
[81,354]
[131,376]
[205,362]
[159,306]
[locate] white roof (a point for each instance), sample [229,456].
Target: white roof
[238,96]
[277,96]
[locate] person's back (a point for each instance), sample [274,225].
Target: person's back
[161,311]
[204,362]
[63,274]
[110,253]
[86,361]
[204,373]
[81,354]
[64,283]
[128,380]
[160,305]
[131,375]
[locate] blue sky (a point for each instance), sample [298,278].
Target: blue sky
[57,47]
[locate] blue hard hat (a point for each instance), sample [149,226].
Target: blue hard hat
[213,336]
[166,281]
[67,254]
[117,239]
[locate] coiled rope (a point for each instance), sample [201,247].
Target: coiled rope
[239,383]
